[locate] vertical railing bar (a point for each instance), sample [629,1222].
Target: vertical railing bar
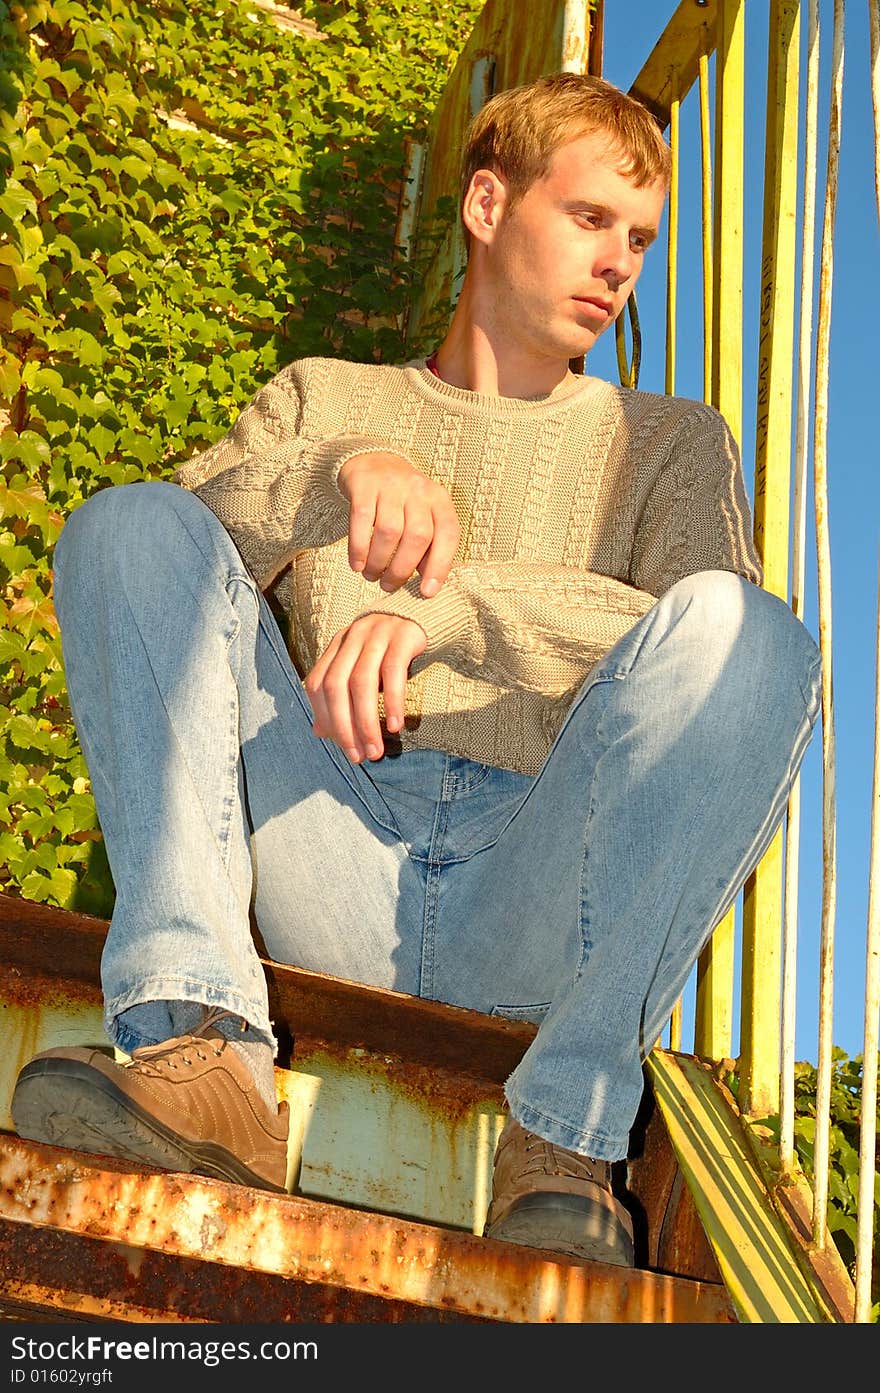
[706,182]
[820,433]
[715,968]
[762,893]
[727,266]
[713,1024]
[792,849]
[868,1131]
[675,1021]
[672,243]
[675,1026]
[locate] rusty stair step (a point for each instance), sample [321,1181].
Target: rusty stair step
[395,1107]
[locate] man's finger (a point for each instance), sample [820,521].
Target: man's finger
[387,530]
[364,690]
[337,698]
[416,538]
[395,671]
[437,562]
[361,519]
[327,688]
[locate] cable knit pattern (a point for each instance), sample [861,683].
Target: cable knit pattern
[538,494]
[577,511]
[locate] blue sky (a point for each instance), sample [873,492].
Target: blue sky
[631,30]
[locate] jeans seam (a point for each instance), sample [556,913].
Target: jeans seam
[813,696]
[581,697]
[290,673]
[774,818]
[432,889]
[585,853]
[460,787]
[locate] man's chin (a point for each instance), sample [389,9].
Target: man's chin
[580,344]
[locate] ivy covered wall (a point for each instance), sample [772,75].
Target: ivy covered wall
[191,196]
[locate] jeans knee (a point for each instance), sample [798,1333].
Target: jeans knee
[121,513]
[720,593]
[736,617]
[114,527]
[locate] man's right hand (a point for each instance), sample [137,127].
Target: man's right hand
[400,522]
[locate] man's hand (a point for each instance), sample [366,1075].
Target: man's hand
[400,522]
[344,684]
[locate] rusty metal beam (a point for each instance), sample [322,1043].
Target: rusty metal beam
[673,65]
[79,1233]
[348,1098]
[42,942]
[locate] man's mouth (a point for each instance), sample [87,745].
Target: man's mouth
[595,302]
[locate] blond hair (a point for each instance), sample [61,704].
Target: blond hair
[518,131]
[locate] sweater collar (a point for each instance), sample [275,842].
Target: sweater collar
[570,392]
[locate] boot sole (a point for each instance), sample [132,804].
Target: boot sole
[572,1225]
[66,1103]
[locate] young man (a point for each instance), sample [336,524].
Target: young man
[537,722]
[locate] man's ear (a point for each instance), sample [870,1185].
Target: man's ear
[483,205]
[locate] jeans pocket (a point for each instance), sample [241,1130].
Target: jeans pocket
[534,1013]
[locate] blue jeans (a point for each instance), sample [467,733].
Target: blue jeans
[577,899]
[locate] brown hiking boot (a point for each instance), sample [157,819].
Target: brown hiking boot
[188,1104]
[546,1197]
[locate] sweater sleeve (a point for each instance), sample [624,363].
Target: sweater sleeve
[542,627]
[696,516]
[531,626]
[272,486]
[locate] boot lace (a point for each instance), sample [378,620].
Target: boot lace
[170,1054]
[545,1158]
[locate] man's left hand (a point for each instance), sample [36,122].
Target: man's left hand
[373,654]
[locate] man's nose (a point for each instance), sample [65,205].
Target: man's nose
[615,260]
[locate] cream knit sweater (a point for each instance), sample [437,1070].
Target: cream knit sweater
[577,511]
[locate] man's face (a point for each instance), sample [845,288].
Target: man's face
[563,262]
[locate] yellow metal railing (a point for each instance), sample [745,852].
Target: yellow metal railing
[868,1137]
[823,547]
[789,965]
[695,34]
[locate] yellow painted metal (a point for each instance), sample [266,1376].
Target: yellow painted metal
[798,565]
[628,366]
[868,1134]
[752,1243]
[372,1142]
[823,549]
[762,895]
[675,1024]
[680,56]
[727,281]
[672,65]
[824,1268]
[723,361]
[868,1130]
[706,204]
[776,325]
[672,249]
[713,1026]
[50,1018]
